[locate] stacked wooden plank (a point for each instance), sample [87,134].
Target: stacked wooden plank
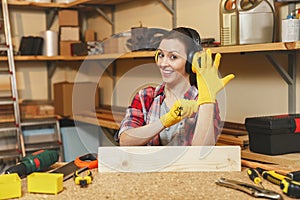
[6,114]
[233,134]
[105,116]
[33,109]
[113,114]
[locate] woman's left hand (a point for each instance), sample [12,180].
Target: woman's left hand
[208,81]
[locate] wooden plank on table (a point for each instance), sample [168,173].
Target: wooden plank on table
[115,111]
[98,122]
[284,170]
[101,117]
[236,132]
[229,139]
[292,159]
[169,158]
[234,125]
[109,117]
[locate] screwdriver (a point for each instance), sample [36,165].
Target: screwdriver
[253,175]
[273,177]
[290,188]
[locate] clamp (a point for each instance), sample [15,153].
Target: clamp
[250,189]
[83,181]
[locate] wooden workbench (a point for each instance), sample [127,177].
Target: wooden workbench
[164,185]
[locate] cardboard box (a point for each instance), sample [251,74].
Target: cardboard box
[75,98]
[69,33]
[68,18]
[65,47]
[115,45]
[89,35]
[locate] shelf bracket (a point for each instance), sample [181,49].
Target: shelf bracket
[172,10]
[105,16]
[111,20]
[289,77]
[51,67]
[50,17]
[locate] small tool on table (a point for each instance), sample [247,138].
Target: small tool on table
[254,176]
[288,186]
[83,181]
[88,160]
[79,165]
[250,189]
[273,177]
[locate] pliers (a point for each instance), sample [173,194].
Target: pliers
[250,189]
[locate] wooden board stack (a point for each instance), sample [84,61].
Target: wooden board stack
[233,134]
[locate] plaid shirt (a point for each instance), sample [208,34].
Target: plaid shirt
[145,108]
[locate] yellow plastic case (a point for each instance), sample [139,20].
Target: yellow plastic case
[10,186]
[48,183]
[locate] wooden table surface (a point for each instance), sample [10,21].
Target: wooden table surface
[154,185]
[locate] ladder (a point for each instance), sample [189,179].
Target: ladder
[9,129]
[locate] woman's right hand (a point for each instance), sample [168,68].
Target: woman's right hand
[181,109]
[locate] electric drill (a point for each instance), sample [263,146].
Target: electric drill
[37,161]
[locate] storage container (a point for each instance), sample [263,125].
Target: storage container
[10,186]
[273,135]
[47,183]
[246,22]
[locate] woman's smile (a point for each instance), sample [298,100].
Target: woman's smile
[167,71]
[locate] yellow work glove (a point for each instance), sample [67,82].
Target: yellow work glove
[208,81]
[181,109]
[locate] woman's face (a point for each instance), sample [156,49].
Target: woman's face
[171,61]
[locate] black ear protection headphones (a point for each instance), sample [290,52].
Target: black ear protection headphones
[197,47]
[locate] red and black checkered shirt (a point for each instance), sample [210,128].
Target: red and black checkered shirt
[145,107]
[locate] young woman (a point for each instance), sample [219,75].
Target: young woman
[182,110]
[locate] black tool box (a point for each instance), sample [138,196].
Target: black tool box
[274,135]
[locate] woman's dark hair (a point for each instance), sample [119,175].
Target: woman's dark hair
[192,42]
